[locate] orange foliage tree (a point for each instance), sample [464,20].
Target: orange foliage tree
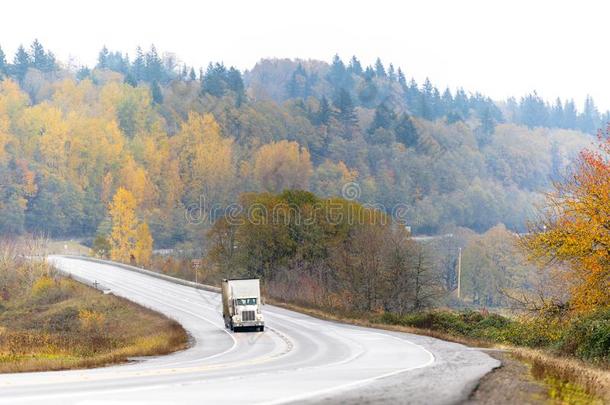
[574,228]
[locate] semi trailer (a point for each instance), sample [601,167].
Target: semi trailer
[241,304]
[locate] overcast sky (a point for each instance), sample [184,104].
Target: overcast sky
[501,48]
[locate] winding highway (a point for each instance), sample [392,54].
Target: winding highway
[297,359]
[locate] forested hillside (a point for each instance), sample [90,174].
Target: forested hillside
[177,138]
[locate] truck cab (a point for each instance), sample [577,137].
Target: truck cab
[241,304]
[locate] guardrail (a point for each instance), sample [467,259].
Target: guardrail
[171,279]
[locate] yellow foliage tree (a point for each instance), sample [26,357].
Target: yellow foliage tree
[123,236]
[206,158]
[282,165]
[575,229]
[144,245]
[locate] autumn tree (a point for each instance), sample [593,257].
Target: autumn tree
[282,165]
[144,245]
[574,228]
[124,234]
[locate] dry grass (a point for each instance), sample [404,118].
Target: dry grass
[594,381]
[61,324]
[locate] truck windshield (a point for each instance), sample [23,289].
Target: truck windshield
[246,301]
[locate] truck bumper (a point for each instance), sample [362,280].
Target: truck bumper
[248,324]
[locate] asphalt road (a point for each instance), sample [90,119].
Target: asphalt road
[297,359]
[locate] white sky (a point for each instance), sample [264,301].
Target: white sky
[500,48]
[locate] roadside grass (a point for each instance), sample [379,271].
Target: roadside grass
[569,380]
[59,324]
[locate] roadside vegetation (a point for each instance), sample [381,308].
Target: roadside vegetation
[49,322]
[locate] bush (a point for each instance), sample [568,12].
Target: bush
[65,320]
[588,337]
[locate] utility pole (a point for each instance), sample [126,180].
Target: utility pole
[459,274]
[196,264]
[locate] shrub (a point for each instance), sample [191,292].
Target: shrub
[47,291]
[64,321]
[588,337]
[42,286]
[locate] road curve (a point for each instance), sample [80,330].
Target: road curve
[297,359]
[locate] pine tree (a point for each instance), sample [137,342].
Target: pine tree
[138,69]
[533,111]
[570,115]
[557,119]
[402,81]
[130,79]
[38,55]
[324,112]
[379,69]
[192,75]
[154,66]
[384,118]
[298,85]
[102,58]
[235,83]
[487,122]
[589,119]
[338,76]
[354,66]
[405,131]
[345,111]
[214,80]
[21,63]
[391,73]
[3,64]
[157,95]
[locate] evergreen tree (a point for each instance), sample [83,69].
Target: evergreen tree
[38,55]
[338,76]
[412,96]
[138,69]
[236,84]
[384,118]
[154,66]
[488,123]
[447,100]
[570,115]
[379,69]
[405,131]
[102,58]
[83,73]
[367,92]
[460,103]
[354,66]
[345,111]
[3,64]
[214,80]
[557,119]
[402,81]
[589,119]
[533,111]
[324,112]
[391,73]
[157,95]
[40,59]
[298,85]
[192,75]
[21,63]
[130,79]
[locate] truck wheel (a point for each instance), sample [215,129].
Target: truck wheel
[231,326]
[261,328]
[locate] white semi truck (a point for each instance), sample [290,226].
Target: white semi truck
[241,304]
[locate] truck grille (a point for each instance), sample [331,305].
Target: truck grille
[248,315]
